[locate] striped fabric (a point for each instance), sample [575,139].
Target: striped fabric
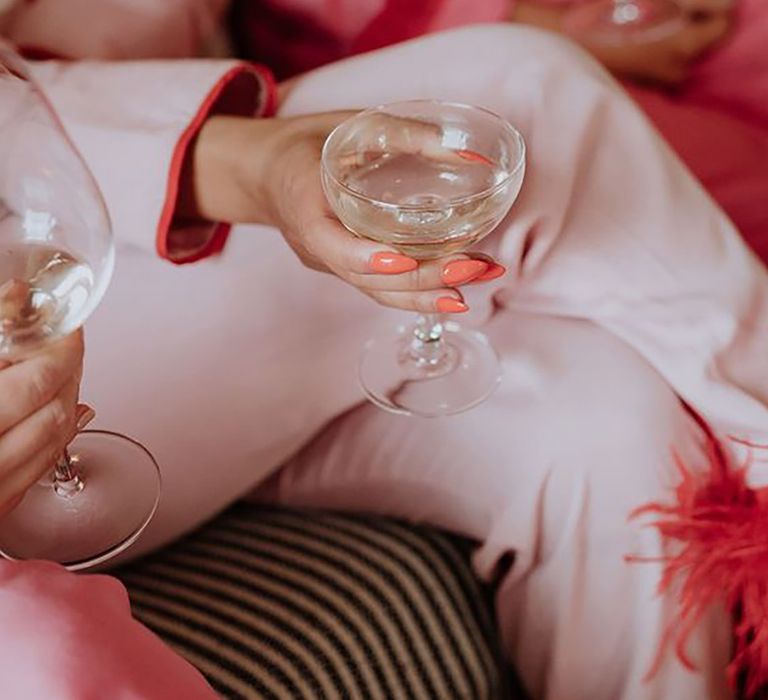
[280,605]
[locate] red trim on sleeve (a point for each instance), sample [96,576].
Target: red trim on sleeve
[269,103]
[218,238]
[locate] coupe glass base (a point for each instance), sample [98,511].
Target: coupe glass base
[467,373]
[638,21]
[119,496]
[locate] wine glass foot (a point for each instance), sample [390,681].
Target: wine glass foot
[635,21]
[467,373]
[99,518]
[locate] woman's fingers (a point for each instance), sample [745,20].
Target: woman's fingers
[15,485]
[14,297]
[324,243]
[443,301]
[38,414]
[392,278]
[451,271]
[33,383]
[667,61]
[706,6]
[672,73]
[47,430]
[403,135]
[32,448]
[702,34]
[325,239]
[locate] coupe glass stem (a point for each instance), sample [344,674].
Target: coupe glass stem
[427,347]
[66,477]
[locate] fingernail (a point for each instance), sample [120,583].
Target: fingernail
[392,263]
[461,271]
[474,156]
[449,305]
[84,414]
[493,272]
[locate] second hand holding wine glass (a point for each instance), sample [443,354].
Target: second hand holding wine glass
[429,178]
[616,22]
[56,261]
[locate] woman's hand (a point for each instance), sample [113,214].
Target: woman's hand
[706,7]
[268,171]
[666,61]
[39,415]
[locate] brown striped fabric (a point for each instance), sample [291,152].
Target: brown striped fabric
[275,604]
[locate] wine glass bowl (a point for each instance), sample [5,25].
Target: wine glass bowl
[426,177]
[430,179]
[54,227]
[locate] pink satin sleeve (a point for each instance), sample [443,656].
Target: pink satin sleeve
[72,636]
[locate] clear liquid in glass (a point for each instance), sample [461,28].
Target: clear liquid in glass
[44,294]
[423,206]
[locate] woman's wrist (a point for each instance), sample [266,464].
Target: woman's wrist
[243,170]
[225,176]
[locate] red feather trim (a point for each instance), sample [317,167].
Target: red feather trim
[722,527]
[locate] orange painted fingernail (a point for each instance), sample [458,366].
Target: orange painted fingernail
[392,263]
[461,271]
[493,272]
[474,156]
[83,416]
[449,305]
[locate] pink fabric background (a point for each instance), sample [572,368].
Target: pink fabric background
[227,368]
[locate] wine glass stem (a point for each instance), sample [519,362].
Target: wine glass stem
[428,346]
[66,477]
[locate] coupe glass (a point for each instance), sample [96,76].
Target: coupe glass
[624,21]
[56,260]
[428,178]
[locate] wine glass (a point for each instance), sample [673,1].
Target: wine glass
[429,178]
[56,260]
[624,21]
